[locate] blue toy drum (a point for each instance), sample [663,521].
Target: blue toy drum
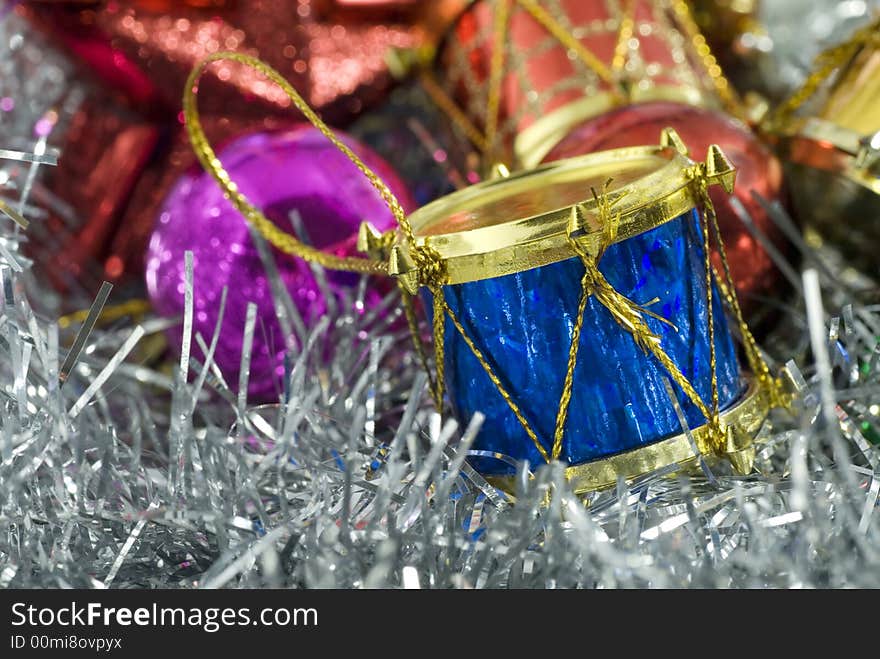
[578,314]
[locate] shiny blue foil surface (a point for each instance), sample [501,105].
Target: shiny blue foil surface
[523,322]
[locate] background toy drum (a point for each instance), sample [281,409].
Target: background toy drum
[831,145]
[514,283]
[631,55]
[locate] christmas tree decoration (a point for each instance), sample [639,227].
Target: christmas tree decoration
[537,292]
[541,303]
[107,142]
[588,330]
[296,176]
[524,72]
[832,146]
[542,80]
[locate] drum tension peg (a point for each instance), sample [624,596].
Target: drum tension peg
[371,242]
[740,450]
[719,169]
[576,228]
[402,266]
[670,137]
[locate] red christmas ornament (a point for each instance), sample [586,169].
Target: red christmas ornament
[106,143]
[106,149]
[757,170]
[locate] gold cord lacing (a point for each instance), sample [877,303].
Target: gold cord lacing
[583,53]
[496,74]
[771,385]
[628,314]
[715,419]
[624,34]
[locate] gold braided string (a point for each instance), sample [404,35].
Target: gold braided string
[458,118]
[494,378]
[624,34]
[564,37]
[439,341]
[723,88]
[715,421]
[756,362]
[568,384]
[415,335]
[496,73]
[628,315]
[284,241]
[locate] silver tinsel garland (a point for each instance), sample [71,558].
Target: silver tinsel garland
[115,474]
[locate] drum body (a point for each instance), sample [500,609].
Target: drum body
[577,315]
[523,324]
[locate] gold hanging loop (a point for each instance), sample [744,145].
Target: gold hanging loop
[716,432]
[284,241]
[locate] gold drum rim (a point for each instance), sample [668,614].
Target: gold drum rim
[486,247]
[746,416]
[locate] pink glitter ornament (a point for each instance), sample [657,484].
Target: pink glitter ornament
[286,173]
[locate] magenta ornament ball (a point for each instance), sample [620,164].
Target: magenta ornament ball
[282,173]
